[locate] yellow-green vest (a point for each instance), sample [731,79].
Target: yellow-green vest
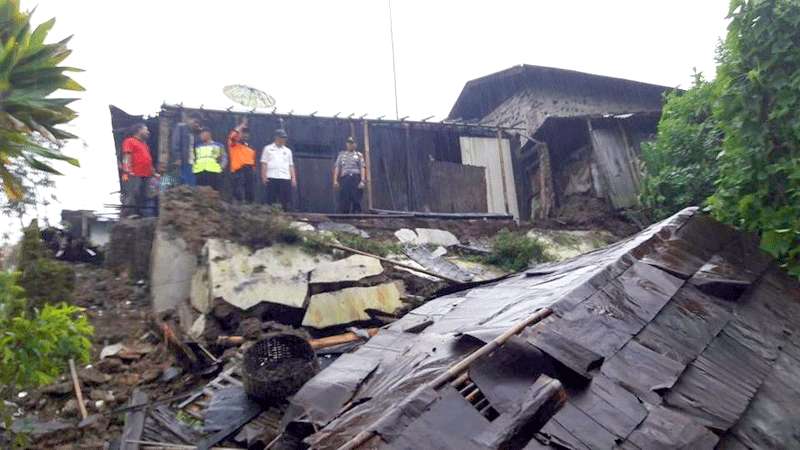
[206,158]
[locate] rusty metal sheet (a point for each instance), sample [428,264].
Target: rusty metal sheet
[507,373]
[686,325]
[664,429]
[719,384]
[574,356]
[449,424]
[642,370]
[615,408]
[322,397]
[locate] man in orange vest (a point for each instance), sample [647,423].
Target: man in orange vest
[243,162]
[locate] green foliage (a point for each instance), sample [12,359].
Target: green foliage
[372,246]
[30,72]
[680,165]
[515,251]
[35,346]
[44,279]
[758,110]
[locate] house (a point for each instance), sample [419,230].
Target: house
[682,336]
[422,166]
[575,128]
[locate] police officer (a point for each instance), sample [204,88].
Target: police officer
[349,176]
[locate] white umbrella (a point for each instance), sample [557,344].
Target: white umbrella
[248,96]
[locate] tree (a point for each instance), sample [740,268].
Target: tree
[29,74]
[758,111]
[680,165]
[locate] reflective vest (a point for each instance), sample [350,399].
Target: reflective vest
[206,158]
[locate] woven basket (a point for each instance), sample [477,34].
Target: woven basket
[278,366]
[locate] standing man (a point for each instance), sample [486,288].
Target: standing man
[181,149]
[277,171]
[349,175]
[209,160]
[137,172]
[243,162]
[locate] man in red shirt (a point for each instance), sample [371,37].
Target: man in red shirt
[137,173]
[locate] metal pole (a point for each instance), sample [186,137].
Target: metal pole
[394,63]
[502,168]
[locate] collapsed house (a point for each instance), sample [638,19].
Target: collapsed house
[509,146]
[683,336]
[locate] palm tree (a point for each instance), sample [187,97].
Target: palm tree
[29,75]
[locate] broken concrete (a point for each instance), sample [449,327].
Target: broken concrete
[243,278]
[350,305]
[172,269]
[406,236]
[353,268]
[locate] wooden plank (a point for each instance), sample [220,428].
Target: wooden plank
[368,170]
[134,422]
[502,168]
[77,385]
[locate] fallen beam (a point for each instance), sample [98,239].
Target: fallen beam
[316,344]
[77,385]
[134,422]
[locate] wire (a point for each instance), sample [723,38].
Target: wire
[394,64]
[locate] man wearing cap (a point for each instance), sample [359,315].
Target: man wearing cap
[349,175]
[277,171]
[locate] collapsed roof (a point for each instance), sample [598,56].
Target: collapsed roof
[683,336]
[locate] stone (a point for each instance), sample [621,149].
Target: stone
[151,375]
[350,305]
[93,376]
[58,388]
[432,236]
[109,365]
[101,395]
[353,268]
[406,236]
[439,252]
[342,228]
[110,350]
[302,226]
[173,266]
[198,328]
[170,373]
[276,274]
[70,408]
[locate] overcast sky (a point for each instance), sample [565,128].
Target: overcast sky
[335,56]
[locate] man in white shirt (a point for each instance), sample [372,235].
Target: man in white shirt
[277,171]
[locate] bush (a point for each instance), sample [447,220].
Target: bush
[35,346]
[680,165]
[44,279]
[515,251]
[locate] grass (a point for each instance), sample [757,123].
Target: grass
[320,243]
[514,252]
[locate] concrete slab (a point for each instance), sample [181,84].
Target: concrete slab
[353,268]
[276,274]
[349,305]
[432,236]
[171,271]
[200,291]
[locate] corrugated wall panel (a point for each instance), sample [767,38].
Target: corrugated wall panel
[485,152]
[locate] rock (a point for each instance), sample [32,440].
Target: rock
[432,236]
[170,373]
[250,328]
[353,268]
[276,274]
[109,365]
[101,395]
[439,252]
[198,328]
[342,228]
[350,305]
[406,236]
[92,376]
[58,388]
[95,421]
[302,226]
[70,408]
[128,379]
[110,350]
[151,375]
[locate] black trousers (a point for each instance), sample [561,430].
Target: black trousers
[135,199]
[244,184]
[349,194]
[279,192]
[210,179]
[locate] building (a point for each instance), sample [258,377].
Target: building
[580,138]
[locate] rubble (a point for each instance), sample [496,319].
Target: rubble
[352,268]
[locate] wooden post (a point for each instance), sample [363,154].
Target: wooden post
[77,385]
[502,168]
[631,157]
[368,171]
